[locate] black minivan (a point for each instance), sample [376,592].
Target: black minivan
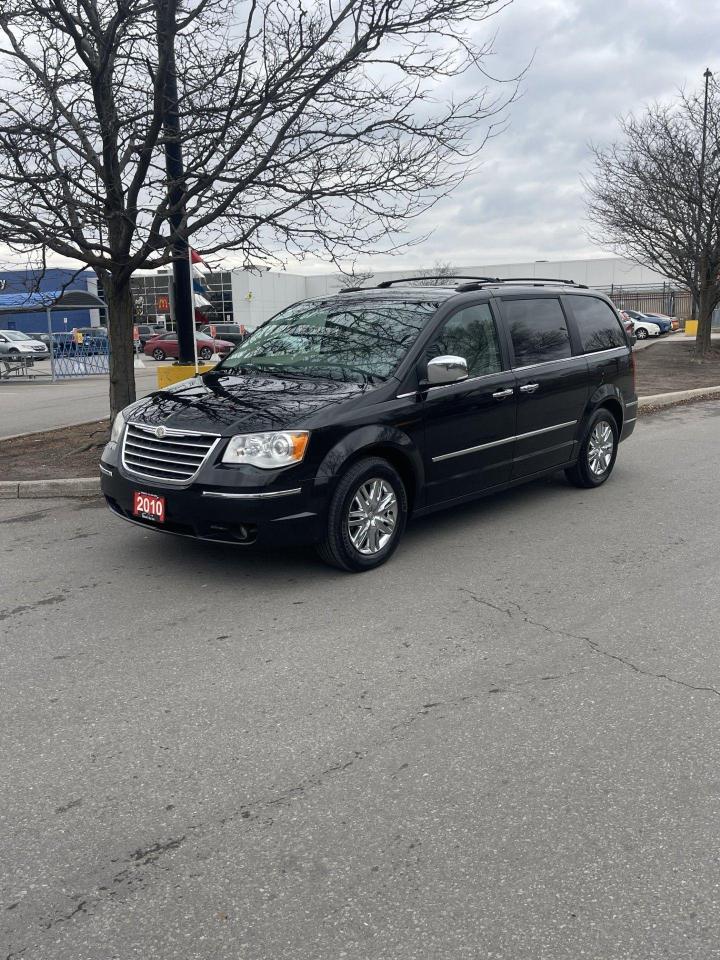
[342,416]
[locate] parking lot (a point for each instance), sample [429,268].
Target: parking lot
[503,744]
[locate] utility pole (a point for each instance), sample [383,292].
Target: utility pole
[184,318]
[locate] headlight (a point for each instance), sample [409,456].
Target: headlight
[117,428]
[25,347]
[267,450]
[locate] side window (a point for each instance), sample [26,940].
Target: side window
[470,333]
[538,330]
[598,326]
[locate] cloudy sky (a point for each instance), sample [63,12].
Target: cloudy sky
[593,61]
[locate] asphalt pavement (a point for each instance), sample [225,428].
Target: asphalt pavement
[503,744]
[33,405]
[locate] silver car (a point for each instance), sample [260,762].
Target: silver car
[15,345]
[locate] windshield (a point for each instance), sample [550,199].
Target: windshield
[357,341]
[15,335]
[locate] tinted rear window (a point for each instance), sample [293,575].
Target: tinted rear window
[538,330]
[598,326]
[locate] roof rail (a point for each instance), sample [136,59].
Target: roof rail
[530,281]
[384,284]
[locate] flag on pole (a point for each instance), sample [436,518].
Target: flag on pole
[196,258]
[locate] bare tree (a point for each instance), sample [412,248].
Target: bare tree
[440,271]
[316,127]
[655,197]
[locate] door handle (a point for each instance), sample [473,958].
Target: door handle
[502,394]
[529,387]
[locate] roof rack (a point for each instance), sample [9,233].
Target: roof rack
[530,281]
[385,284]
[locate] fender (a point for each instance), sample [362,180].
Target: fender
[606,391]
[366,437]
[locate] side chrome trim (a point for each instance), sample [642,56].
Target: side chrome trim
[577,356]
[633,403]
[630,420]
[404,396]
[108,473]
[251,496]
[499,443]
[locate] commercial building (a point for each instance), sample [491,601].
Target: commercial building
[249,297]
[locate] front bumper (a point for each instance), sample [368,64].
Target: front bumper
[289,515]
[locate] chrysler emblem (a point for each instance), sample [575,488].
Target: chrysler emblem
[160,432]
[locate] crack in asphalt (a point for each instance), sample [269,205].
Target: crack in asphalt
[593,645]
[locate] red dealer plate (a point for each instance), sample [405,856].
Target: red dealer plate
[149,506]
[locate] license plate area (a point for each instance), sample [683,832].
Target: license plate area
[149,506]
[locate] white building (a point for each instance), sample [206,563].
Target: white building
[253,296]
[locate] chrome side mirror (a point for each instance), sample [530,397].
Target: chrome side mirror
[441,370]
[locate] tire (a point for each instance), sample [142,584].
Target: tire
[597,453]
[14,350]
[205,353]
[158,354]
[345,544]
[641,333]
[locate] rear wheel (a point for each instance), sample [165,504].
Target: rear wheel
[597,453]
[641,333]
[158,354]
[366,517]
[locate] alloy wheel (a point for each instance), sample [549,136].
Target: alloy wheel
[600,448]
[372,516]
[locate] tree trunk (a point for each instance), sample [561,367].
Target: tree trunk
[706,306]
[118,297]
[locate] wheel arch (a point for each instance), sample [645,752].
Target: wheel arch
[610,398]
[387,442]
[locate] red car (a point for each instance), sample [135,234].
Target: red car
[166,345]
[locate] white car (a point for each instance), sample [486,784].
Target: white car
[17,345]
[644,329]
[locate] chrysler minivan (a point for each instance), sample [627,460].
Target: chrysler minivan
[344,416]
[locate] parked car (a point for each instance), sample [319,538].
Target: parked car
[167,346]
[147,331]
[673,321]
[43,337]
[646,328]
[664,323]
[228,331]
[17,345]
[628,322]
[340,418]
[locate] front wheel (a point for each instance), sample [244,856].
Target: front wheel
[597,453]
[366,517]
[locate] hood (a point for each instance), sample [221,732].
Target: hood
[240,404]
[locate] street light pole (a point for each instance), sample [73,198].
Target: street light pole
[184,317]
[699,239]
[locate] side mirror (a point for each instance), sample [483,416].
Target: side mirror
[442,370]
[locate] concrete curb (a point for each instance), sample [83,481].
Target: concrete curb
[661,400]
[38,489]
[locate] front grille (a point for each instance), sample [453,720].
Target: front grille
[175,457]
